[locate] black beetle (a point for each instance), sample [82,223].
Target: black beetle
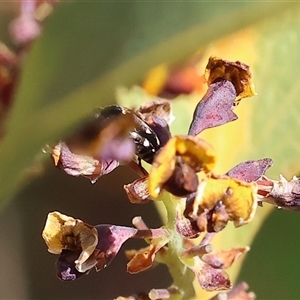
[146,140]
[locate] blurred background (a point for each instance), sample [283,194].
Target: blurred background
[83,53]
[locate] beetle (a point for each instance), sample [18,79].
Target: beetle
[145,138]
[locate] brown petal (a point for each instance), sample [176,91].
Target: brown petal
[182,182]
[283,194]
[81,165]
[250,170]
[160,108]
[185,227]
[225,258]
[238,292]
[111,239]
[211,279]
[215,108]
[236,72]
[137,191]
[142,259]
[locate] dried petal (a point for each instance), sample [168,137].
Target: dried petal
[238,292]
[111,238]
[210,279]
[160,108]
[65,233]
[192,151]
[81,165]
[236,72]
[238,197]
[81,246]
[250,170]
[225,258]
[56,227]
[185,227]
[137,191]
[215,108]
[142,259]
[182,182]
[284,194]
[66,267]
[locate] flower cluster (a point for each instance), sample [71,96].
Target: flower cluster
[197,200]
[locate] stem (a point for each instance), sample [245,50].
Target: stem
[199,250]
[151,233]
[183,277]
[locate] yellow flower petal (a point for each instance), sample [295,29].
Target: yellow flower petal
[162,167]
[57,225]
[196,152]
[193,151]
[238,197]
[63,232]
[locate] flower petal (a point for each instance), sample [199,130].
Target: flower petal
[283,194]
[192,151]
[111,238]
[215,108]
[238,292]
[236,72]
[196,152]
[160,108]
[250,170]
[185,227]
[141,260]
[210,279]
[81,165]
[238,197]
[66,267]
[225,258]
[74,240]
[137,191]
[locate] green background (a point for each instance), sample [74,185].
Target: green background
[86,50]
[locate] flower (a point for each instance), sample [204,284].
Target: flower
[81,246]
[175,166]
[81,165]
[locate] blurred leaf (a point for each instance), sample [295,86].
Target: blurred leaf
[88,49]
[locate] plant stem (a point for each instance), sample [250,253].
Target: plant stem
[183,277]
